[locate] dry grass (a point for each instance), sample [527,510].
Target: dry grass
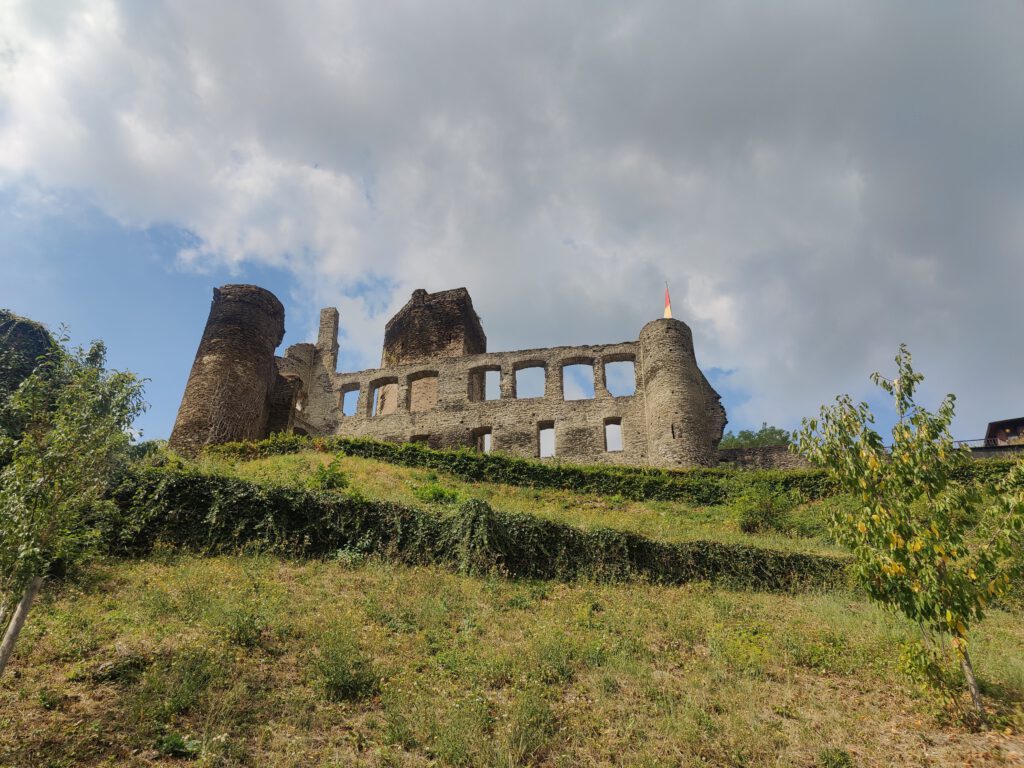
[220,660]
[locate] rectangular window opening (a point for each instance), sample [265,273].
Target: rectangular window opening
[620,378]
[578,381]
[492,385]
[530,382]
[613,435]
[484,384]
[385,399]
[546,439]
[483,439]
[349,402]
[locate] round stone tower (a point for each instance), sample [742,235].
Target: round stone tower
[228,392]
[683,415]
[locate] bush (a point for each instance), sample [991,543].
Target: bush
[435,493]
[763,509]
[329,477]
[341,669]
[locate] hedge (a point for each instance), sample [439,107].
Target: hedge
[212,513]
[695,486]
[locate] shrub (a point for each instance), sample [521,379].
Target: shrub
[329,477]
[762,508]
[340,668]
[435,493]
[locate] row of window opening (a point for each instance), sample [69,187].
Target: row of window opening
[578,383]
[545,445]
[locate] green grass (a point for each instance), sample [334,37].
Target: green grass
[671,521]
[368,663]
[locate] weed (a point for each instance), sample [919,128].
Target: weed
[834,757]
[49,699]
[340,667]
[174,744]
[435,493]
[532,725]
[176,683]
[243,626]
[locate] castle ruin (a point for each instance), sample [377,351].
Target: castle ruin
[432,387]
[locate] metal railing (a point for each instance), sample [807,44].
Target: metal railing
[988,442]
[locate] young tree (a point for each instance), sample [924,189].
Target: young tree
[924,543]
[67,428]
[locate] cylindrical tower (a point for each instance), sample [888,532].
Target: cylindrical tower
[228,391]
[683,414]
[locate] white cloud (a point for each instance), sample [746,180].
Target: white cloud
[817,183]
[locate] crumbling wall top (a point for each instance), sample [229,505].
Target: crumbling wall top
[432,325]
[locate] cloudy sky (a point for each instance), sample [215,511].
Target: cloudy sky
[817,181]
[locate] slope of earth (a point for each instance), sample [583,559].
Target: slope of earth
[266,662]
[802,530]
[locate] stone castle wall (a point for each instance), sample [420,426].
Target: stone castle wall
[431,388]
[762,457]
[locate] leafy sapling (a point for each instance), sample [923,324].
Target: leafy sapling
[923,542]
[68,428]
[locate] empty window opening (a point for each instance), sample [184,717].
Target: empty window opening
[492,385]
[613,435]
[484,384]
[620,378]
[385,399]
[422,391]
[546,439]
[483,439]
[578,381]
[349,402]
[530,382]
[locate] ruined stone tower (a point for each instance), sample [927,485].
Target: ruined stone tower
[683,414]
[431,325]
[231,387]
[437,384]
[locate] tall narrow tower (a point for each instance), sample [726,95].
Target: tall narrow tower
[683,414]
[229,388]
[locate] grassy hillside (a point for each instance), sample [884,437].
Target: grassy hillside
[661,520]
[349,659]
[259,661]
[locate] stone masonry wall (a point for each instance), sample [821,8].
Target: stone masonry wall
[229,389]
[762,457]
[433,390]
[433,325]
[459,414]
[440,401]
